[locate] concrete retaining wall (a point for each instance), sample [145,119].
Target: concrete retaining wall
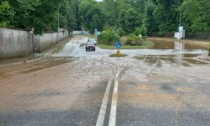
[48,39]
[15,43]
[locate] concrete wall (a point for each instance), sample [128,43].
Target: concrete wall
[15,43]
[48,39]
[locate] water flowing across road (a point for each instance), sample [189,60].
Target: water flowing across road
[76,48]
[154,75]
[163,86]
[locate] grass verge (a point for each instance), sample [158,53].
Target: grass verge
[115,55]
[146,45]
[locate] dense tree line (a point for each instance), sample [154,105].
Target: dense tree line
[127,16]
[153,15]
[40,15]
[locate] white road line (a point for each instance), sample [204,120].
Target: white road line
[102,113]
[113,112]
[201,60]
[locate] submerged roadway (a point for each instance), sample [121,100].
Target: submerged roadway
[149,87]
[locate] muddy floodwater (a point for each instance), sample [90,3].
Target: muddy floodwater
[165,43]
[164,86]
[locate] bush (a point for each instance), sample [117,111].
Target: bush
[134,40]
[107,27]
[142,30]
[137,31]
[115,55]
[3,24]
[120,32]
[108,37]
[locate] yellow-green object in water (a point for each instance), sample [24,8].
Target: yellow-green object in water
[118,53]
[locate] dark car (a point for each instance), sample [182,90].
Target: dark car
[90,45]
[92,40]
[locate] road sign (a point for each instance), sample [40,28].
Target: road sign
[181,29]
[118,45]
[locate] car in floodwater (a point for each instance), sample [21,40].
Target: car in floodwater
[92,40]
[90,45]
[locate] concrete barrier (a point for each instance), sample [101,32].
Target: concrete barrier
[16,43]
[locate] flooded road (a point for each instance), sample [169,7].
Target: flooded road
[149,87]
[169,43]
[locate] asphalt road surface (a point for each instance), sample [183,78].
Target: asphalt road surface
[149,87]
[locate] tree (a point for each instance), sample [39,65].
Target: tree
[129,20]
[23,10]
[40,15]
[149,21]
[108,37]
[199,16]
[92,15]
[6,13]
[165,13]
[112,8]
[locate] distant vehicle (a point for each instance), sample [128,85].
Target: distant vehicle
[92,40]
[90,45]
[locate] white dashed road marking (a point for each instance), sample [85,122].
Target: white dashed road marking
[102,113]
[113,113]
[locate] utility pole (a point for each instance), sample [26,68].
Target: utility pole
[58,27]
[116,11]
[180,15]
[180,18]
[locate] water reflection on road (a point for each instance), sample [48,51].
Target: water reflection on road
[179,45]
[158,87]
[154,84]
[174,48]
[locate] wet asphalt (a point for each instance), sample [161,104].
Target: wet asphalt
[160,87]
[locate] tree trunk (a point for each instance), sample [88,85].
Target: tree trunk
[209,52]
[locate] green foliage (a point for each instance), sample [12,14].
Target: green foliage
[145,45]
[108,37]
[115,55]
[3,24]
[40,15]
[129,20]
[6,13]
[209,49]
[199,16]
[93,15]
[167,16]
[149,21]
[120,32]
[141,31]
[137,31]
[107,27]
[134,40]
[127,16]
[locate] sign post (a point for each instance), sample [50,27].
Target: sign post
[118,45]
